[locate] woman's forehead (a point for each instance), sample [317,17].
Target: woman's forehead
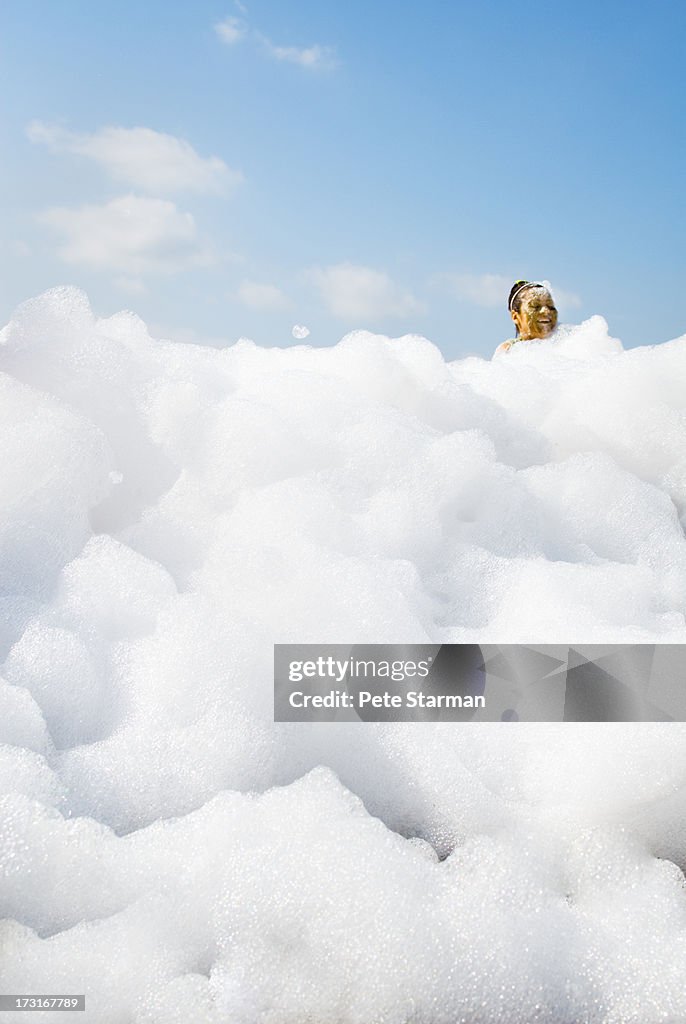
[538,294]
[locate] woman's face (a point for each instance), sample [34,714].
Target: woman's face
[537,316]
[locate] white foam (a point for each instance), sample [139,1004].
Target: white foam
[167,513]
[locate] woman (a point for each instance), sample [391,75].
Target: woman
[532,308]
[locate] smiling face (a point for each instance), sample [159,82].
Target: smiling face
[536,316]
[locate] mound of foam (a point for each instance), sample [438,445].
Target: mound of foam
[167,513]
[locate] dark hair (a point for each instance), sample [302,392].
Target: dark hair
[518,287]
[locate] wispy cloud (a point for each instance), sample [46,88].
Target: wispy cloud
[262,296]
[314,58]
[141,157]
[492,290]
[231,30]
[130,285]
[354,292]
[131,235]
[478,289]
[563,298]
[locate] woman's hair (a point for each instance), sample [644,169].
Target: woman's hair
[514,302]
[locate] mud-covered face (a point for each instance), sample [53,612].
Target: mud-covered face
[537,316]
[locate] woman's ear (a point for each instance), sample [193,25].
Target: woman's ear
[515,316]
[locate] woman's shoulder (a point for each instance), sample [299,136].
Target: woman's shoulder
[505,346]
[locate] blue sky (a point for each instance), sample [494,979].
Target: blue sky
[229,169]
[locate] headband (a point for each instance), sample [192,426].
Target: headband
[526,284]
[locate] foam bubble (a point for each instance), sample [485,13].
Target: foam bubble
[167,513]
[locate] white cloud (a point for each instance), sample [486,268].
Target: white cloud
[565,299]
[492,290]
[315,57]
[131,285]
[230,30]
[262,296]
[479,289]
[361,293]
[141,157]
[131,235]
